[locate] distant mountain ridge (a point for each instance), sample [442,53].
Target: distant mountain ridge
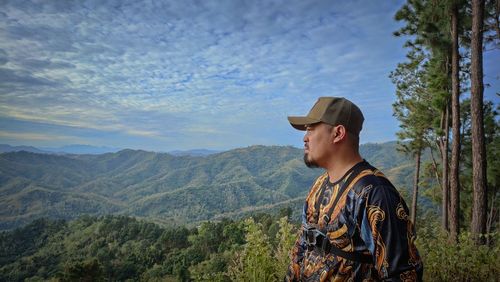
[194,152]
[165,188]
[5,148]
[94,150]
[82,149]
[68,149]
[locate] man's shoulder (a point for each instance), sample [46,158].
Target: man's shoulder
[376,187]
[369,178]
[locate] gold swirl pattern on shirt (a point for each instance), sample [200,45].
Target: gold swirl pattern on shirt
[376,215]
[343,197]
[400,212]
[312,214]
[337,233]
[412,250]
[344,273]
[408,276]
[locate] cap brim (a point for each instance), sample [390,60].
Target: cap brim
[300,123]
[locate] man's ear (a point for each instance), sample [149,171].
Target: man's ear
[338,133]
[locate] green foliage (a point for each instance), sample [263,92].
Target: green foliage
[286,239]
[412,104]
[24,242]
[255,262]
[212,269]
[120,248]
[88,270]
[261,260]
[464,261]
[111,247]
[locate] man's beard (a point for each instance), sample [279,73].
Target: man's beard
[310,163]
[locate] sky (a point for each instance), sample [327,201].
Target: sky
[179,75]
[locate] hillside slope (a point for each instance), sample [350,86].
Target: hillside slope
[165,188]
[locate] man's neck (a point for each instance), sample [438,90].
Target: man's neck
[339,167]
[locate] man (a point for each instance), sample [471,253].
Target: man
[355,224]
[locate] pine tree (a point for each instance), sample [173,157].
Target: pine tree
[412,110]
[479,209]
[455,113]
[427,24]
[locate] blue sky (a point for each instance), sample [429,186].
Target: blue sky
[177,75]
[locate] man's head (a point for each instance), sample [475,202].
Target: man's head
[332,124]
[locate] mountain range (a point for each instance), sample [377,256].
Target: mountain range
[165,188]
[68,149]
[93,150]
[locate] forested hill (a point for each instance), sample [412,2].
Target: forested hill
[166,188]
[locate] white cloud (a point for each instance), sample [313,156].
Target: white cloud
[182,72]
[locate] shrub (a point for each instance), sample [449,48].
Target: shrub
[445,261]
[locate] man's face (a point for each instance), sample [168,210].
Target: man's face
[317,144]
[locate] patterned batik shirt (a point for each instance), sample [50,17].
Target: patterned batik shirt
[369,218]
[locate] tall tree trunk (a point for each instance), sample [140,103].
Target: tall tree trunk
[455,127]
[415,187]
[444,159]
[479,183]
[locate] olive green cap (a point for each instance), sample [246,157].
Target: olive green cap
[334,111]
